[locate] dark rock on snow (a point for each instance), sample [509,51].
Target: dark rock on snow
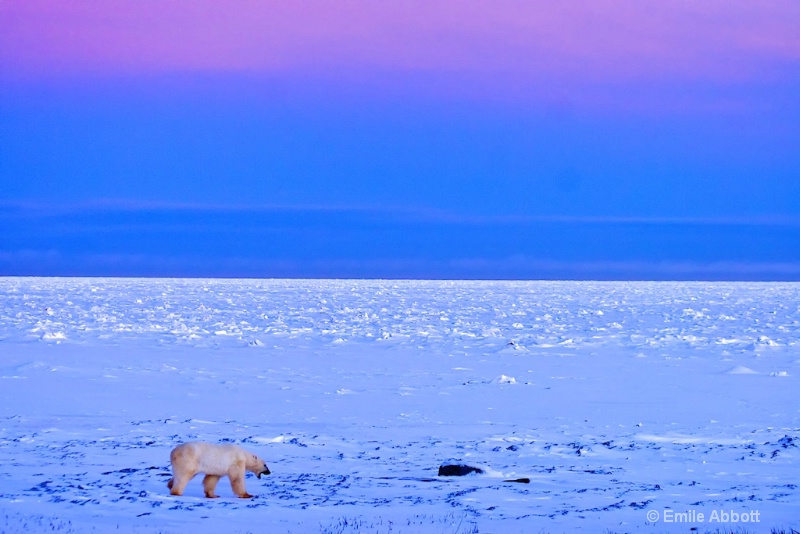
[458,470]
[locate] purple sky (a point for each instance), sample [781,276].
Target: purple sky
[518,52]
[665,126]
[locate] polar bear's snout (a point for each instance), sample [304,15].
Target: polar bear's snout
[259,467]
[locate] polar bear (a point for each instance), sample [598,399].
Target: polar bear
[215,461]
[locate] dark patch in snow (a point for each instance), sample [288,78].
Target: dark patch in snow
[458,470]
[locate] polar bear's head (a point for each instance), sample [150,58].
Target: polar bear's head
[257,465]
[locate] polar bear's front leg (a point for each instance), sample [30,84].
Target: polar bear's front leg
[209,485]
[236,475]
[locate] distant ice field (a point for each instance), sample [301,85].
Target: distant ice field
[624,404]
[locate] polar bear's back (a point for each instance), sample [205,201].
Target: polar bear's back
[208,458]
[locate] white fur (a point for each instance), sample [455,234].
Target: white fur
[215,461]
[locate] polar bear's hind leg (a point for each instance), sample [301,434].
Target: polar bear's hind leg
[179,481]
[209,485]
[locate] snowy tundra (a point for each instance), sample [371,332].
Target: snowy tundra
[630,407]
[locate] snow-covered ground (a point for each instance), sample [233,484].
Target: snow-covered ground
[619,401]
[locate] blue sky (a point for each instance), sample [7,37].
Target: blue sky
[648,156]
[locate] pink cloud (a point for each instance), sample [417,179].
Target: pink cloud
[513,46]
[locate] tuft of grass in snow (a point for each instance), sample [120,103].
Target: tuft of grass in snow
[12,523]
[452,523]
